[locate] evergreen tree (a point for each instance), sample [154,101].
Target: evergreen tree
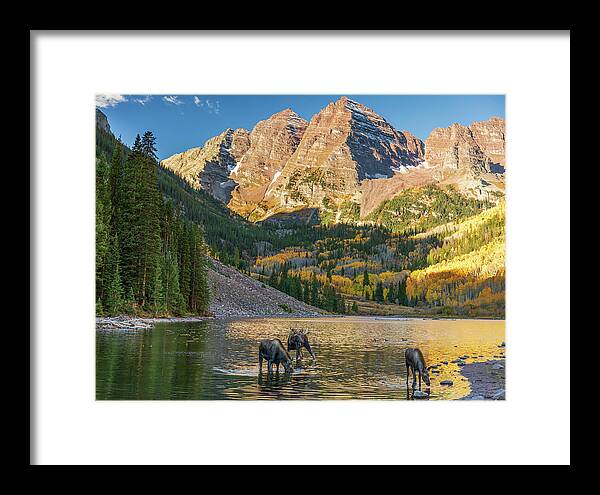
[148,146]
[402,299]
[143,249]
[378,294]
[116,178]
[140,220]
[314,291]
[391,295]
[103,207]
[102,245]
[171,298]
[306,292]
[366,281]
[159,305]
[113,292]
[199,292]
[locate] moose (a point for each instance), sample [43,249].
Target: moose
[297,339]
[415,361]
[274,352]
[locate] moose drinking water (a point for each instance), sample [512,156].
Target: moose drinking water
[415,361]
[274,352]
[297,339]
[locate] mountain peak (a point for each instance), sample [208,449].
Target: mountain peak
[344,144]
[291,117]
[346,103]
[285,112]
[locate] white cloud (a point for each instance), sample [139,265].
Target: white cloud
[211,106]
[143,100]
[173,100]
[109,100]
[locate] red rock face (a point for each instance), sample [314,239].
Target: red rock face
[344,144]
[470,158]
[415,145]
[489,135]
[346,153]
[272,143]
[478,147]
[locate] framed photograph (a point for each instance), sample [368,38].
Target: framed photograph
[333,232]
[256,247]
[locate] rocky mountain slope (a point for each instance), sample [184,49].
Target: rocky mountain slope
[234,294]
[479,147]
[346,158]
[209,167]
[344,144]
[102,121]
[272,143]
[469,157]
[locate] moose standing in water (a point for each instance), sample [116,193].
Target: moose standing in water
[274,352]
[297,339]
[415,361]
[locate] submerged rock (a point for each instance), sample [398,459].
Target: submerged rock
[449,383]
[417,394]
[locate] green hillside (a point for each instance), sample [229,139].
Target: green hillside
[428,247]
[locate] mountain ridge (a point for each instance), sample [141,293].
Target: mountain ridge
[346,153]
[332,256]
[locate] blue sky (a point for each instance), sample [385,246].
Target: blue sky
[180,122]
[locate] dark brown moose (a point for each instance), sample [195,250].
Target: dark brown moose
[274,353]
[297,339]
[415,361]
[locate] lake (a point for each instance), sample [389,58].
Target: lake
[356,358]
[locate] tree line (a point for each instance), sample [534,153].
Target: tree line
[149,259]
[310,290]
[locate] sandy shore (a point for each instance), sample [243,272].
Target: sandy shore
[487,380]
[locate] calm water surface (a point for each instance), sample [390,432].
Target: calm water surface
[356,358]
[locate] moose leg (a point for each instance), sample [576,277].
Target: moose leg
[414,374]
[277,367]
[260,360]
[270,366]
[308,348]
[419,380]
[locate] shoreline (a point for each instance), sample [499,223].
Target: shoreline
[129,322]
[487,380]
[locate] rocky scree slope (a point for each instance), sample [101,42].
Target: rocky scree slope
[234,294]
